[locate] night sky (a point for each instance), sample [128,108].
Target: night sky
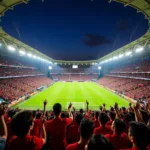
[74,29]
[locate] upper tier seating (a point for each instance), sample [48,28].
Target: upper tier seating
[140,66]
[13,71]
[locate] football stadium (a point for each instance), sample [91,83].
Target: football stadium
[53,104]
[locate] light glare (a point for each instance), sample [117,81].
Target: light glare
[11,48]
[139,49]
[50,67]
[29,55]
[121,55]
[128,53]
[99,68]
[22,52]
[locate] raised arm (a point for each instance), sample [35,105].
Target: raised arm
[69,110]
[3,128]
[138,116]
[131,109]
[104,107]
[44,109]
[148,107]
[87,106]
[43,132]
[117,111]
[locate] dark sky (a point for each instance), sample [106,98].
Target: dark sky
[74,29]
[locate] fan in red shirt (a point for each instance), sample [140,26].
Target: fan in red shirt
[56,128]
[112,116]
[98,142]
[139,135]
[86,131]
[37,125]
[96,119]
[21,125]
[10,114]
[119,138]
[73,131]
[103,128]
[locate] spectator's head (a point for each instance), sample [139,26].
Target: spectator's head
[145,116]
[139,135]
[86,128]
[96,114]
[81,111]
[57,109]
[123,108]
[99,142]
[11,113]
[22,123]
[112,115]
[78,118]
[103,118]
[111,108]
[63,115]
[38,115]
[118,126]
[34,113]
[129,117]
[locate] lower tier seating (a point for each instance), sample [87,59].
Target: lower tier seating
[14,88]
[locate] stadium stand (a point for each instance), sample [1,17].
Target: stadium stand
[19,87]
[105,129]
[19,80]
[75,77]
[131,80]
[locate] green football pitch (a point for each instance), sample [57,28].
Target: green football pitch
[75,92]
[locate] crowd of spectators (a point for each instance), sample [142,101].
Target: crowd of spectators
[75,77]
[137,66]
[133,88]
[14,88]
[107,129]
[14,71]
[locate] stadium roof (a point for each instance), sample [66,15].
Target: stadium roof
[142,6]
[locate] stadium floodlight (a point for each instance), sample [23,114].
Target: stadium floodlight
[11,48]
[38,58]
[50,67]
[128,53]
[121,55]
[115,57]
[22,52]
[109,59]
[99,67]
[29,55]
[55,63]
[34,56]
[139,49]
